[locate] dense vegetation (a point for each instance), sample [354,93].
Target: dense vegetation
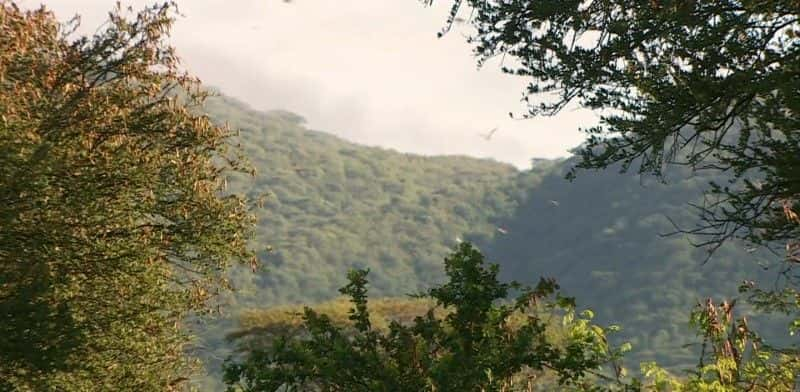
[607,251]
[476,342]
[330,205]
[111,228]
[610,252]
[713,86]
[118,216]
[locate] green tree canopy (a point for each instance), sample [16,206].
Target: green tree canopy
[714,85]
[480,342]
[473,338]
[112,226]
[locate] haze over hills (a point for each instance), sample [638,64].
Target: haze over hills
[331,205]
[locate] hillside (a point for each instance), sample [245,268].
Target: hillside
[603,237]
[331,205]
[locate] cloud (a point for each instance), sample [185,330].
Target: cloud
[368,70]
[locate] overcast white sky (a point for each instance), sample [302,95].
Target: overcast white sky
[371,71]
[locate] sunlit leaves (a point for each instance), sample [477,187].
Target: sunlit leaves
[111,224]
[480,341]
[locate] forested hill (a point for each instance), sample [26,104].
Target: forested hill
[604,237]
[331,205]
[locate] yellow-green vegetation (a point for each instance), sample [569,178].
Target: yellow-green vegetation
[734,358]
[269,323]
[479,341]
[472,338]
[118,215]
[111,225]
[259,328]
[288,319]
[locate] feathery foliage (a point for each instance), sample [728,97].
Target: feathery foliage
[112,227]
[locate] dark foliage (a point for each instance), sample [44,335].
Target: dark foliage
[480,344]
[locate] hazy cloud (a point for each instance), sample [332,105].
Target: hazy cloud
[371,71]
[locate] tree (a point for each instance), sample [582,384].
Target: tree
[473,339]
[480,342]
[112,223]
[714,85]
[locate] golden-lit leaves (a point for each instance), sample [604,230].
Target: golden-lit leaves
[110,202]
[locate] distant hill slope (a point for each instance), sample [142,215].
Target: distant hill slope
[602,238]
[331,205]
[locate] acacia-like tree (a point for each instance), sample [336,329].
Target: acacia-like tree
[112,224]
[477,343]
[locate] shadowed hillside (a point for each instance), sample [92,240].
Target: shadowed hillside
[602,238]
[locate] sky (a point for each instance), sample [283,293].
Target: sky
[370,71]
